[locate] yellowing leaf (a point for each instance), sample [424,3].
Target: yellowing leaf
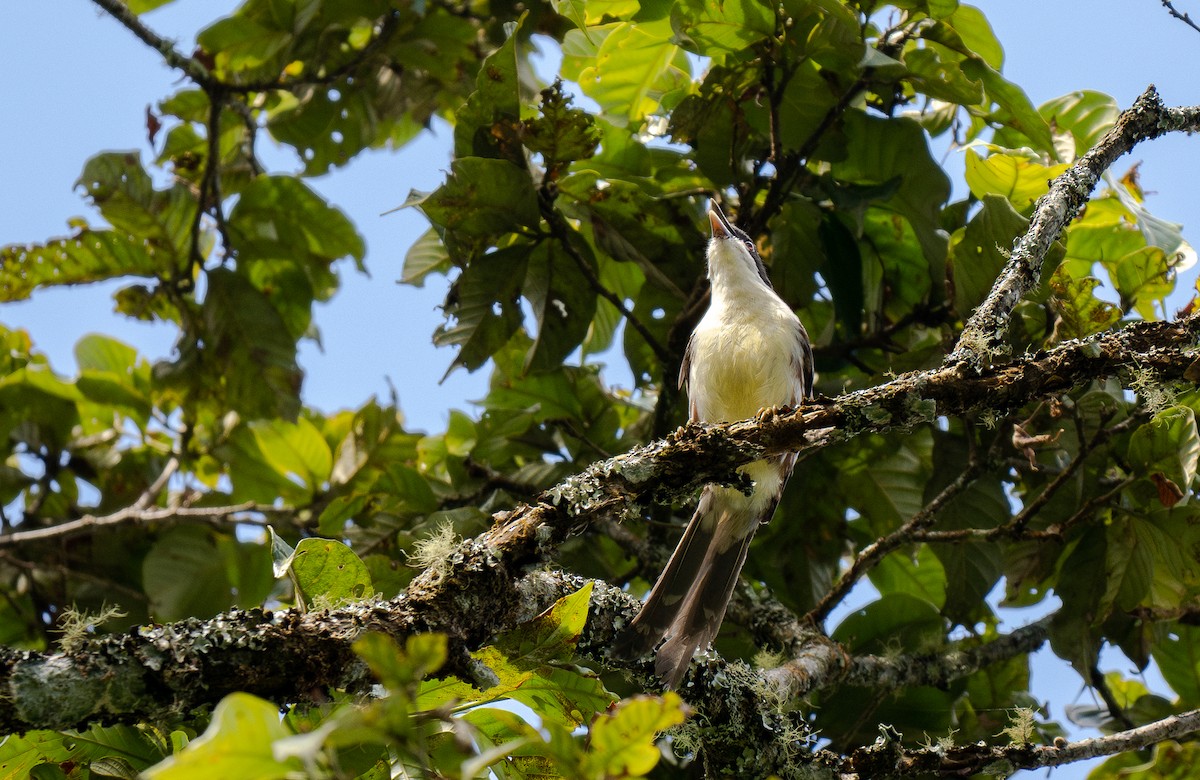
[236,744]
[1017,178]
[622,744]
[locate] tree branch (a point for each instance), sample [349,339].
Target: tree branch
[1147,119]
[137,515]
[1181,17]
[886,760]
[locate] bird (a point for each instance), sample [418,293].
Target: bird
[749,352]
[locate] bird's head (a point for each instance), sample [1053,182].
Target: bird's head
[732,256]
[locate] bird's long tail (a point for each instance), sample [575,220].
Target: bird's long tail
[686,606]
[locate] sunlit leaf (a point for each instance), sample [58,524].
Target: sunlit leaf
[238,743]
[329,573]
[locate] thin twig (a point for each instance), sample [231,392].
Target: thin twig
[194,69]
[874,552]
[134,516]
[1181,17]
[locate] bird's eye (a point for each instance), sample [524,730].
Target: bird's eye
[750,245]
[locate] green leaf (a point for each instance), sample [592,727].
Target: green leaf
[489,124]
[920,575]
[880,150]
[484,304]
[621,743]
[1086,115]
[630,69]
[21,753]
[121,188]
[1019,179]
[896,618]
[426,256]
[142,6]
[1178,657]
[111,374]
[237,743]
[251,345]
[1168,445]
[88,256]
[281,217]
[396,669]
[979,252]
[481,200]
[185,576]
[844,276]
[243,49]
[329,571]
[563,301]
[552,635]
[719,29]
[887,485]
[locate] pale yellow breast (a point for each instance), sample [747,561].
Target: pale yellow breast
[742,365]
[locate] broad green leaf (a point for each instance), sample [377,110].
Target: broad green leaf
[121,188]
[281,217]
[843,276]
[489,124]
[426,256]
[110,373]
[1143,279]
[88,256]
[1082,313]
[142,6]
[562,298]
[184,575]
[329,573]
[396,668]
[256,356]
[621,743]
[21,753]
[887,488]
[631,70]
[1169,760]
[484,307]
[1086,115]
[1086,587]
[972,28]
[1021,180]
[237,743]
[898,618]
[1168,445]
[276,459]
[242,48]
[880,150]
[720,29]
[481,199]
[1178,657]
[551,636]
[940,79]
[920,575]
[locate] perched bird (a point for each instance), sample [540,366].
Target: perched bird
[748,352]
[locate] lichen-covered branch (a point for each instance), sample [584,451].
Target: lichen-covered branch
[887,760]
[1146,119]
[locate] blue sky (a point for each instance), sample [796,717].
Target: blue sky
[78,83]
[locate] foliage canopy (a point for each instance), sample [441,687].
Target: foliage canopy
[570,231]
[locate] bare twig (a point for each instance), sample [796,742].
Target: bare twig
[1183,17]
[873,553]
[134,515]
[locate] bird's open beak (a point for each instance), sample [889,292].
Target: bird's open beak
[720,225]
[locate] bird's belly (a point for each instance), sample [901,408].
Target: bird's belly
[738,370]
